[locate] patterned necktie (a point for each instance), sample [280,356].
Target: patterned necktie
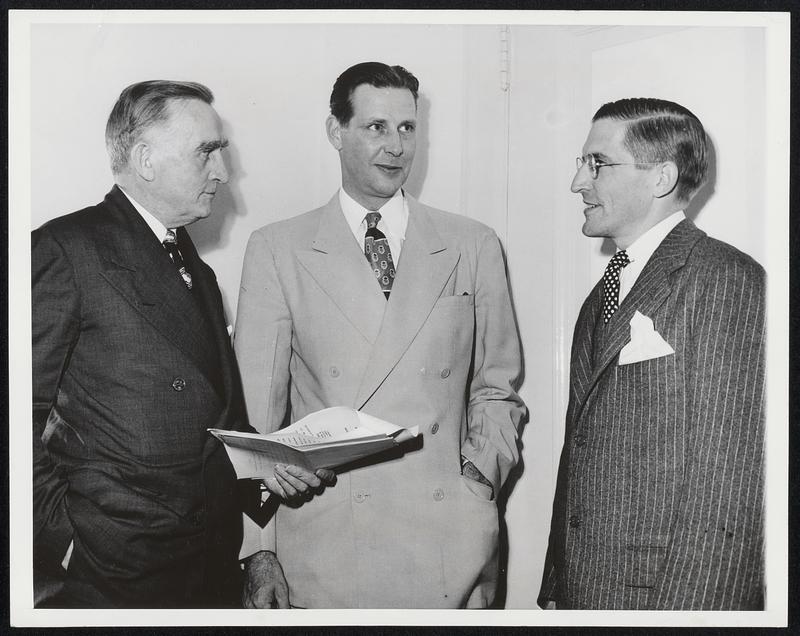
[376,249]
[611,284]
[171,245]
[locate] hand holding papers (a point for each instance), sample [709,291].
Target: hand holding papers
[325,439]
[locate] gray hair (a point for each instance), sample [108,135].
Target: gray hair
[139,107]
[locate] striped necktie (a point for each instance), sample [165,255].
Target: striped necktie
[171,245]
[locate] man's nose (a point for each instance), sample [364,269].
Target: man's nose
[219,171]
[393,144]
[582,179]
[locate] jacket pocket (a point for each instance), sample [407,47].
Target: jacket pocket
[643,562]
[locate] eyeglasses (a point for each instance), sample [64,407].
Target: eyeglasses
[594,164]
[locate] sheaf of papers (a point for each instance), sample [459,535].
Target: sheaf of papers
[324,439]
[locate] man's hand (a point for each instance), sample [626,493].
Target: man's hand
[295,485]
[469,470]
[265,585]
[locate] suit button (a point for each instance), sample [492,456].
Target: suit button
[445,373]
[360,496]
[580,439]
[335,372]
[179,384]
[574,521]
[434,428]
[438,494]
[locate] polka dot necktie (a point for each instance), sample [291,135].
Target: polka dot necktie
[611,284]
[376,249]
[171,245]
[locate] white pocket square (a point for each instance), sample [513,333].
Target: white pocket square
[646,343]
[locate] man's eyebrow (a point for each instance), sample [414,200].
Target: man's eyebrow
[211,146]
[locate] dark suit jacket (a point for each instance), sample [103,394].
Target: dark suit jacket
[659,496]
[129,370]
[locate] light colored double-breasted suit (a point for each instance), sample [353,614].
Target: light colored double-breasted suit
[314,330]
[659,496]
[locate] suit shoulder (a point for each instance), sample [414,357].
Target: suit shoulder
[291,228]
[452,220]
[715,255]
[75,226]
[452,224]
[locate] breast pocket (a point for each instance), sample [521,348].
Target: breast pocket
[462,301]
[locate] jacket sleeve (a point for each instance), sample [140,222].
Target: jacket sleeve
[495,410]
[55,303]
[262,341]
[715,558]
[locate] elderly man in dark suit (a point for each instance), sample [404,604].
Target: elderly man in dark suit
[135,505]
[659,496]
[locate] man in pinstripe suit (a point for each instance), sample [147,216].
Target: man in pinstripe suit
[659,497]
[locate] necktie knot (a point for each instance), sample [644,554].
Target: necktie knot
[373,218]
[618,261]
[611,284]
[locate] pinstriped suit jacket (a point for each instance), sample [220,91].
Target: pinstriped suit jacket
[659,497]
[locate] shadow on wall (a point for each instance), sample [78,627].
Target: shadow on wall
[214,232]
[697,203]
[416,179]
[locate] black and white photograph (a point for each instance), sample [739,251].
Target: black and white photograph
[382,312]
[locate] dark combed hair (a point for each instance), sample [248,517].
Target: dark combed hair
[375,74]
[139,107]
[659,130]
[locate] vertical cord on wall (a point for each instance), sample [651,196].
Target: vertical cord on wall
[505,87]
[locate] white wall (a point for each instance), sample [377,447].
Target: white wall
[272,84]
[503,156]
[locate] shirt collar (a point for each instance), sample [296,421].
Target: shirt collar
[643,247]
[159,229]
[394,213]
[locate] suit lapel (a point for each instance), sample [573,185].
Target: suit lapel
[425,265]
[139,268]
[335,261]
[651,289]
[585,344]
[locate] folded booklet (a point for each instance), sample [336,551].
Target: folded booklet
[324,439]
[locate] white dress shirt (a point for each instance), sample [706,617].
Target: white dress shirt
[642,249]
[393,223]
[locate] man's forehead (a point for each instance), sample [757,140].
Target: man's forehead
[371,101]
[606,135]
[192,118]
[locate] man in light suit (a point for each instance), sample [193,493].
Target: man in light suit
[135,504]
[659,496]
[406,316]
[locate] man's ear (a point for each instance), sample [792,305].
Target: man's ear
[666,179]
[141,161]
[334,130]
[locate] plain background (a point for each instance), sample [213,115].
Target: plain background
[503,112]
